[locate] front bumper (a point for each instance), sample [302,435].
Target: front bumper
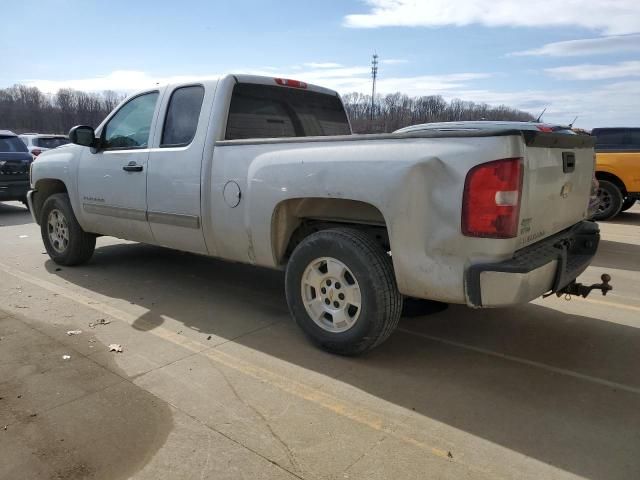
[547,266]
[14,190]
[30,205]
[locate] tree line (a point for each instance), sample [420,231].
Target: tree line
[27,109]
[397,110]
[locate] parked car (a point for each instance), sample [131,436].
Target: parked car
[38,143]
[266,171]
[471,125]
[15,161]
[617,170]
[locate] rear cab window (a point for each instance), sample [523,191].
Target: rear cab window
[265,111]
[183,112]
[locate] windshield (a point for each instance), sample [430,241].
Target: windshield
[12,144]
[49,142]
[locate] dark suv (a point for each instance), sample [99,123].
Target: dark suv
[15,161]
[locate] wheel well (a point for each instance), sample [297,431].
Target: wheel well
[44,189]
[610,177]
[295,219]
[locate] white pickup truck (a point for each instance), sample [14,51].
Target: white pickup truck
[266,171]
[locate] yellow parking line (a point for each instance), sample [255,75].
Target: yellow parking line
[622,306]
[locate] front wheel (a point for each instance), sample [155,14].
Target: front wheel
[63,237]
[609,201]
[342,291]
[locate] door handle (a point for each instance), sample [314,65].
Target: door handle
[132,167]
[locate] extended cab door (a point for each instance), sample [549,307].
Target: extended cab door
[112,181]
[175,163]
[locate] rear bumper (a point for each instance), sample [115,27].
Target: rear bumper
[547,266]
[14,190]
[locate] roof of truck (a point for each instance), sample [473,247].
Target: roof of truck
[258,79]
[282,81]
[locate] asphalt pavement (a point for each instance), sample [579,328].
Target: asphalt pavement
[215,381]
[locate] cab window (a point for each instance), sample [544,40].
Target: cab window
[182,117]
[611,138]
[130,127]
[634,138]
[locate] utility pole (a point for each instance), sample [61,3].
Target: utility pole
[374,76]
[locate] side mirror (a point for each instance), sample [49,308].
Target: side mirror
[83,135]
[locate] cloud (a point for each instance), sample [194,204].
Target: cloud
[119,80]
[611,17]
[616,103]
[322,65]
[603,105]
[587,71]
[342,79]
[587,46]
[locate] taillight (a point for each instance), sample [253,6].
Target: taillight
[491,200]
[35,152]
[545,128]
[285,82]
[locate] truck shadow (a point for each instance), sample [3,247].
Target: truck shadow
[562,389]
[14,213]
[631,217]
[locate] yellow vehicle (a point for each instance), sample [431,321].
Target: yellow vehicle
[617,170]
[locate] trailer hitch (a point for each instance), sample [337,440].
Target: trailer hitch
[579,289]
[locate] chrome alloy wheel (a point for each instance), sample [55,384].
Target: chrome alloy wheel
[58,230]
[331,294]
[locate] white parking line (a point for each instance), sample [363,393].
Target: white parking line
[524,361]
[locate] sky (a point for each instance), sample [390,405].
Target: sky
[573,57]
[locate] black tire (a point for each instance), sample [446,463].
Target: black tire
[609,201]
[370,267]
[627,204]
[79,246]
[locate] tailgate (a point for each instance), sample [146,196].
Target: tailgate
[556,184]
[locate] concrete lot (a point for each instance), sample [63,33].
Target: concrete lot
[215,380]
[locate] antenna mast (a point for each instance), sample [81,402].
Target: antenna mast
[374,76]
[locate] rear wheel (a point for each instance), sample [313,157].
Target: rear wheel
[342,292]
[627,204]
[63,237]
[609,201]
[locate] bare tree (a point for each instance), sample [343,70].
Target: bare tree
[397,110]
[26,109]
